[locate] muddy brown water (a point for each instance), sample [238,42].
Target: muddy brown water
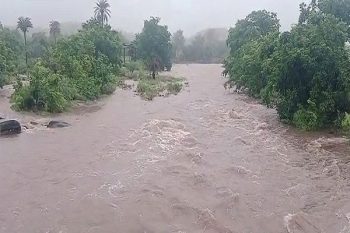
[206,160]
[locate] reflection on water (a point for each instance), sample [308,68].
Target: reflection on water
[203,161]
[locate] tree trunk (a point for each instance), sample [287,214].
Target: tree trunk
[25,47]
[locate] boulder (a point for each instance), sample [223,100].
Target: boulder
[10,127]
[57,124]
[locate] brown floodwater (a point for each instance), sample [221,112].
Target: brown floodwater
[207,160]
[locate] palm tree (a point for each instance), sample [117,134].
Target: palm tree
[102,11]
[24,24]
[55,29]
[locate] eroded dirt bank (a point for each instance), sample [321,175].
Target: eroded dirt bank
[203,161]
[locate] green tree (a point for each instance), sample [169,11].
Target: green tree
[11,48]
[312,73]
[256,25]
[55,29]
[24,24]
[2,64]
[102,11]
[304,73]
[178,43]
[338,8]
[154,45]
[38,45]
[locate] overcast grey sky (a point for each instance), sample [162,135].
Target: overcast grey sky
[128,15]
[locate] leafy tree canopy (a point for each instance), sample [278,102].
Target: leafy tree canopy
[154,43]
[254,26]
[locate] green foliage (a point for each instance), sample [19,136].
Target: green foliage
[45,92]
[24,24]
[305,73]
[11,50]
[133,66]
[346,122]
[252,42]
[102,11]
[178,45]
[307,119]
[38,45]
[174,87]
[55,29]
[151,88]
[81,66]
[338,8]
[154,44]
[254,26]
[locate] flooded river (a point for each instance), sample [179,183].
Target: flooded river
[206,160]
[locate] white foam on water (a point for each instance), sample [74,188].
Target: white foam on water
[287,221]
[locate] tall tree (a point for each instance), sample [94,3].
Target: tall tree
[154,44]
[24,24]
[55,29]
[102,11]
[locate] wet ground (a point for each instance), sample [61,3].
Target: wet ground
[206,160]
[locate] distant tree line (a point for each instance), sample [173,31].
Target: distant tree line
[305,72]
[208,46]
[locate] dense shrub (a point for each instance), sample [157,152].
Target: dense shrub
[304,73]
[79,67]
[45,92]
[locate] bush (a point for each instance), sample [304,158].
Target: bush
[306,120]
[133,66]
[174,87]
[45,92]
[78,67]
[346,122]
[150,88]
[110,85]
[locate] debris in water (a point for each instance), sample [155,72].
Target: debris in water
[57,124]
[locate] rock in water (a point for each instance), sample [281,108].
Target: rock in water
[57,124]
[10,127]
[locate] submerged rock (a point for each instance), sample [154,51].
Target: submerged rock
[58,124]
[10,127]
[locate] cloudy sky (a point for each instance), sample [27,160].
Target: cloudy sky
[128,15]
